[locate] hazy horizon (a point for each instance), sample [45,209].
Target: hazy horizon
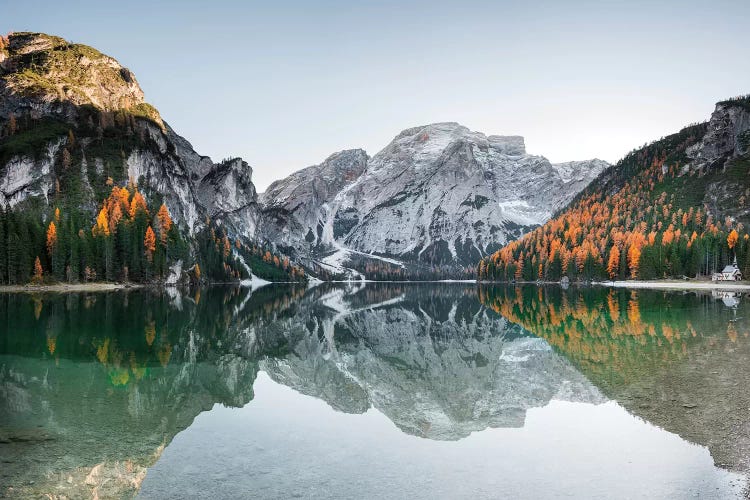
[285,85]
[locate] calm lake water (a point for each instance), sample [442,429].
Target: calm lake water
[375,391]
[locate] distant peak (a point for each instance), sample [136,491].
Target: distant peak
[432,127]
[513,145]
[346,154]
[508,144]
[39,71]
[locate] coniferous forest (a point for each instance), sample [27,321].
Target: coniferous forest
[129,241]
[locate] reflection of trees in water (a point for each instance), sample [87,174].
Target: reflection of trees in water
[132,369]
[613,331]
[674,359]
[137,367]
[105,326]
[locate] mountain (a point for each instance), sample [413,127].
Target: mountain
[74,125]
[437,195]
[49,86]
[675,207]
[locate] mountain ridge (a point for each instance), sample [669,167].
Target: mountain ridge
[387,211]
[77,138]
[675,207]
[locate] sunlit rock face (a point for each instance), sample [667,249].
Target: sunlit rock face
[437,194]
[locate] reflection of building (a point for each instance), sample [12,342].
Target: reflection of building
[729,273]
[730,299]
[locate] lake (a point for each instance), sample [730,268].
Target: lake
[375,391]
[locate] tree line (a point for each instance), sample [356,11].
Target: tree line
[654,226]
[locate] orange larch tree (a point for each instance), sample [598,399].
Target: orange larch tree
[634,257]
[38,272]
[164,223]
[101,228]
[149,243]
[51,238]
[613,264]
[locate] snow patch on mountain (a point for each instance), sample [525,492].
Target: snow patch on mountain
[438,194]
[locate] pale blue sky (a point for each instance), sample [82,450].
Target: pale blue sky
[285,83]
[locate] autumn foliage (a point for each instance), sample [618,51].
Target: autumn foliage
[642,228]
[149,243]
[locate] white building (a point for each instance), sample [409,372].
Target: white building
[729,273]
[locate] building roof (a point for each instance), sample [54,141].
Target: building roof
[730,269]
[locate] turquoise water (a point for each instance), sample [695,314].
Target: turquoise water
[375,391]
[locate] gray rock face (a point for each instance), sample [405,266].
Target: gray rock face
[70,79]
[720,156]
[437,194]
[227,193]
[24,177]
[292,206]
[728,136]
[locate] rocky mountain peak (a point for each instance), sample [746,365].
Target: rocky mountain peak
[437,194]
[727,136]
[428,142]
[45,75]
[26,42]
[56,90]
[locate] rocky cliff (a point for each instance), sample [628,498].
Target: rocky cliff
[74,121]
[438,194]
[675,207]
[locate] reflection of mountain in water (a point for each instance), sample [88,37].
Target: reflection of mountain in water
[437,363]
[93,386]
[679,361]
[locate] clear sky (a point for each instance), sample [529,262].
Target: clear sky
[286,83]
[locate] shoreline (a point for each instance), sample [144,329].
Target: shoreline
[634,284]
[70,287]
[676,285]
[642,284]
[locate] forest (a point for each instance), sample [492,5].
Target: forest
[129,241]
[647,220]
[97,225]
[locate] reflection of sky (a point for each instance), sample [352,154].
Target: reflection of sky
[284,444]
[286,83]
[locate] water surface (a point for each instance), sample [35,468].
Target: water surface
[378,390]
